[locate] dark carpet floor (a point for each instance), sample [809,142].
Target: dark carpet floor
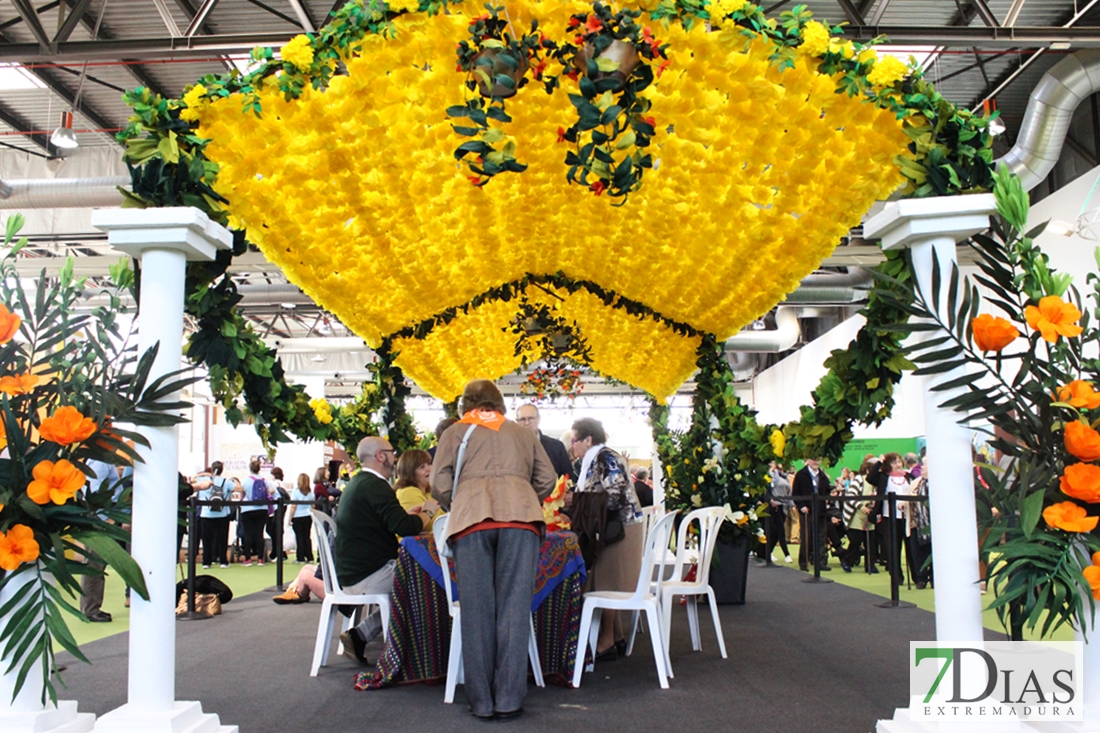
[802,658]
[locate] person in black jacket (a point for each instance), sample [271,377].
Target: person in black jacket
[528,416]
[812,481]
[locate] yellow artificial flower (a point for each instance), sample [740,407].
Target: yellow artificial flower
[886,72]
[194,102]
[779,442]
[298,51]
[815,38]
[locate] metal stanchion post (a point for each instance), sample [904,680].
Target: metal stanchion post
[192,552]
[815,534]
[892,558]
[277,542]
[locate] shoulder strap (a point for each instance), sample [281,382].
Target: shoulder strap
[458,460]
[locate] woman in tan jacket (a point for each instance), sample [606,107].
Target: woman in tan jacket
[495,527]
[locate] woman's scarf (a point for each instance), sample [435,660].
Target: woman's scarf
[586,463]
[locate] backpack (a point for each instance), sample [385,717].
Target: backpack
[259,490]
[217,494]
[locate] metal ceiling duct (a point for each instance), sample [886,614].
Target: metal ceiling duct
[832,288]
[1049,112]
[62,193]
[783,337]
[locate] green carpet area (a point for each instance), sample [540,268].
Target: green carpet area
[241,580]
[879,585]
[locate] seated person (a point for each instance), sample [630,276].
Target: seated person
[308,582]
[414,469]
[369,520]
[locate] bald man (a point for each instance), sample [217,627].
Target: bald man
[528,416]
[368,522]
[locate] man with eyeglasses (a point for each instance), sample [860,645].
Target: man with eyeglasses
[528,416]
[368,522]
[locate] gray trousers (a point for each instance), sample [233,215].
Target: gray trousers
[496,575]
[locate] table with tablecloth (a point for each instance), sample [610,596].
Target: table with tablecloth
[420,627]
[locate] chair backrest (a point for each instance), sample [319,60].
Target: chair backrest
[650,515]
[651,559]
[326,537]
[710,519]
[439,532]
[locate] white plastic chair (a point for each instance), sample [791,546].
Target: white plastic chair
[456,673]
[335,595]
[709,519]
[642,598]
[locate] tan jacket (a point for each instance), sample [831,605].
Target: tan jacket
[505,476]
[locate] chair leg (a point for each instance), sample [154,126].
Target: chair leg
[582,642]
[635,620]
[717,625]
[385,609]
[693,622]
[659,656]
[324,638]
[454,660]
[665,608]
[533,654]
[594,634]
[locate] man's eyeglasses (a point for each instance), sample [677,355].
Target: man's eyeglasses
[526,419]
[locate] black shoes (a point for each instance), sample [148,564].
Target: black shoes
[845,567]
[99,617]
[354,646]
[512,715]
[608,655]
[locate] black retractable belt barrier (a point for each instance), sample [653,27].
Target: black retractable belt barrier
[816,535]
[892,559]
[277,545]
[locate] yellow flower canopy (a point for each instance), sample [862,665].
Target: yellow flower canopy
[355,193]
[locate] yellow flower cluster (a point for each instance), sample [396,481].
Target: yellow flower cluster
[886,71]
[815,38]
[737,211]
[194,101]
[299,52]
[719,9]
[322,410]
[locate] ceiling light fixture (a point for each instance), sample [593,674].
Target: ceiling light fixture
[290,306]
[319,359]
[64,137]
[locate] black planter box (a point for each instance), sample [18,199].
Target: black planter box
[730,571]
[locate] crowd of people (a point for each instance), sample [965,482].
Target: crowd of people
[870,531]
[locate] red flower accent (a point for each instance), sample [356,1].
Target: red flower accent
[539,68]
[574,21]
[594,24]
[573,73]
[578,40]
[475,180]
[598,187]
[661,69]
[561,134]
[651,121]
[654,44]
[483,16]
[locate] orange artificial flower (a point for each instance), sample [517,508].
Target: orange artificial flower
[56,482]
[992,333]
[1082,481]
[1077,393]
[67,425]
[9,324]
[18,383]
[1092,575]
[1070,517]
[17,546]
[1082,441]
[3,435]
[1054,317]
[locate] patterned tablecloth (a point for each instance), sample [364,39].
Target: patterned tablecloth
[420,627]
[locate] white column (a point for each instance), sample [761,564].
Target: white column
[931,228]
[164,240]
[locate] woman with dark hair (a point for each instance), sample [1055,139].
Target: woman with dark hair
[607,518]
[413,483]
[495,527]
[321,491]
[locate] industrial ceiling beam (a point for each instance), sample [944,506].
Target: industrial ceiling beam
[18,123]
[986,14]
[303,16]
[30,16]
[202,46]
[876,18]
[281,16]
[200,17]
[167,18]
[71,22]
[1014,12]
[851,12]
[106,34]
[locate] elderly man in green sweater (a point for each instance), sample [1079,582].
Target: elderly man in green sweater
[368,523]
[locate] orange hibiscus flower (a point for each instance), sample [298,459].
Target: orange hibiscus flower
[1054,317]
[9,324]
[992,333]
[17,546]
[1077,393]
[67,425]
[1082,441]
[1092,575]
[1070,517]
[56,482]
[1082,481]
[18,383]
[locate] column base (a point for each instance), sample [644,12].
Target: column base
[62,719]
[183,717]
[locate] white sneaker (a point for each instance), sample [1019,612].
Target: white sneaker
[788,558]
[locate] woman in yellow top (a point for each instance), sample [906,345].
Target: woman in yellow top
[414,469]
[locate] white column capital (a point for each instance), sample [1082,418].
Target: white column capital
[912,221]
[182,228]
